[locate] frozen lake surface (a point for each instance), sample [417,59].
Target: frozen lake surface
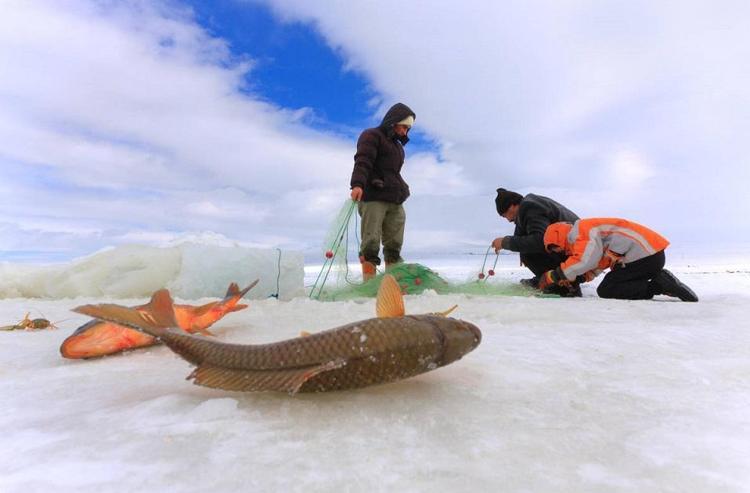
[562,395]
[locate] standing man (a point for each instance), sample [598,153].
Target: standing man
[634,253]
[380,190]
[531,215]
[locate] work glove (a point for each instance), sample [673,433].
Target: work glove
[553,277]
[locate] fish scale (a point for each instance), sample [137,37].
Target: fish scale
[381,336]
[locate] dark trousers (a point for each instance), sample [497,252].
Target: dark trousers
[539,263]
[633,281]
[381,221]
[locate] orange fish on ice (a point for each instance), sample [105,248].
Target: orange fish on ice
[99,338]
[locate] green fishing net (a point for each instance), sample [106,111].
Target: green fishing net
[417,278]
[336,281]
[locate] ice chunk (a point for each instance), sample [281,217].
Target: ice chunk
[209,269]
[189,270]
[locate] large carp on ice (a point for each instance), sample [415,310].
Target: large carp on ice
[391,347]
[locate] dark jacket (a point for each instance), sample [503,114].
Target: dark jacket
[535,213]
[379,158]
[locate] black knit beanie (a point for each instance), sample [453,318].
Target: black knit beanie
[506,198]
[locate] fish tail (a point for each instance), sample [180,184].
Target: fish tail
[153,318]
[235,293]
[233,289]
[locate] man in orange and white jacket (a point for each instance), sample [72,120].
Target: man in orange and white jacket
[633,253]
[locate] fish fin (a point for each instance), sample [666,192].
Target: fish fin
[304,333]
[234,290]
[390,302]
[161,308]
[446,312]
[290,380]
[237,308]
[207,333]
[153,318]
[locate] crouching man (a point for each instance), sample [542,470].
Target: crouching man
[633,254]
[531,215]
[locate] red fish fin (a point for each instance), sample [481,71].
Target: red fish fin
[259,380]
[207,332]
[161,308]
[153,318]
[234,290]
[237,308]
[390,302]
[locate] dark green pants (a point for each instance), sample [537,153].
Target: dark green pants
[382,222]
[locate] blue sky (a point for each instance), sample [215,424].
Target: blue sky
[152,122]
[294,68]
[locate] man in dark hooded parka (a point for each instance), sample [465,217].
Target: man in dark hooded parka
[379,189]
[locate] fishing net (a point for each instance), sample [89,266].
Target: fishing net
[335,251]
[412,278]
[336,241]
[417,278]
[336,281]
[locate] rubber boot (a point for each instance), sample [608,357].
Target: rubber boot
[389,265]
[368,270]
[667,283]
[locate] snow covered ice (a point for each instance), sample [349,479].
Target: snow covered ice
[188,269]
[562,395]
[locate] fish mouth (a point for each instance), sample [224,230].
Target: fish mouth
[475,332]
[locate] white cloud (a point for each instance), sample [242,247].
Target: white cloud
[127,115]
[541,95]
[123,109]
[427,176]
[125,120]
[629,169]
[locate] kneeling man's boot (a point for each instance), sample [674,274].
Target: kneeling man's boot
[667,283]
